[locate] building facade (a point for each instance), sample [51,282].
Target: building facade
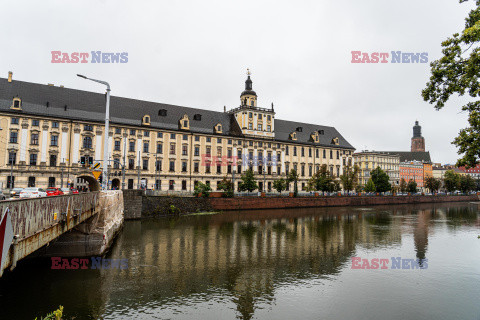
[51,136]
[370,160]
[412,170]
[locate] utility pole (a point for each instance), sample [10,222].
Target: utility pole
[11,174]
[264,186]
[61,177]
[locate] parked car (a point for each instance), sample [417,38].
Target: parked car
[65,190]
[74,191]
[33,193]
[15,192]
[2,196]
[54,192]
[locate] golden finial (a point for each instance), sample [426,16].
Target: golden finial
[248,72]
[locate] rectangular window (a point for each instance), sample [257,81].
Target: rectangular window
[250,126]
[229,168]
[229,141]
[13,137]
[131,164]
[172,148]
[196,151]
[207,167]
[33,159]
[87,127]
[229,153]
[209,139]
[159,148]
[172,136]
[159,135]
[197,138]
[14,121]
[31,182]
[146,146]
[131,146]
[239,154]
[196,167]
[184,150]
[259,127]
[118,131]
[309,152]
[286,150]
[132,132]
[12,158]
[294,151]
[331,154]
[172,166]
[171,185]
[158,165]
[185,137]
[116,163]
[35,123]
[53,160]
[208,151]
[219,152]
[54,124]
[338,154]
[316,153]
[184,184]
[269,128]
[10,184]
[34,139]
[54,140]
[303,152]
[158,184]
[145,164]
[269,118]
[146,133]
[324,154]
[184,166]
[219,168]
[116,147]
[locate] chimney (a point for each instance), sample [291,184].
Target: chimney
[10,75]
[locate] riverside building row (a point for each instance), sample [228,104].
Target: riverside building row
[49,135]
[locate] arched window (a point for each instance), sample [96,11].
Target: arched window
[87,142]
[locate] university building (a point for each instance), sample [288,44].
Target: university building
[50,135]
[370,160]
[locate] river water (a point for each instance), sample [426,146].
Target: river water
[274,264]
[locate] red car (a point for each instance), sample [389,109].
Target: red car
[54,192]
[73,191]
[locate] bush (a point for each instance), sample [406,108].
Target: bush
[202,188]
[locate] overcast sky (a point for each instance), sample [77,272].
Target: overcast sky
[195,54]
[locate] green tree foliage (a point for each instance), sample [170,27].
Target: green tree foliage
[381,180]
[467,183]
[280,185]
[349,178]
[451,180]
[432,184]
[227,186]
[403,185]
[248,181]
[457,72]
[370,186]
[412,186]
[293,177]
[202,188]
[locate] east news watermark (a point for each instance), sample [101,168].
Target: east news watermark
[395,263]
[89,57]
[59,263]
[389,57]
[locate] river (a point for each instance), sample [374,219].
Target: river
[271,264]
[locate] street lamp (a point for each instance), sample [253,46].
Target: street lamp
[105,140]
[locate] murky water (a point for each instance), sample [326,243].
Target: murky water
[275,264]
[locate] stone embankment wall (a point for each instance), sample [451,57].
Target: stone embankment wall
[132,200]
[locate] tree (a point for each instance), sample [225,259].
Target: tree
[457,72]
[451,180]
[280,185]
[349,178]
[370,186]
[432,184]
[403,185]
[203,189]
[412,186]
[467,183]
[293,177]
[248,181]
[227,186]
[380,180]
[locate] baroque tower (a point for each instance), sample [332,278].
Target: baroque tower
[418,142]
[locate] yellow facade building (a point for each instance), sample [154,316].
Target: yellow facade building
[370,160]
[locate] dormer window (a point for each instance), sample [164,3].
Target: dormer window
[218,128]
[315,137]
[293,136]
[146,120]
[16,104]
[299,129]
[184,123]
[321,132]
[197,117]
[335,141]
[162,113]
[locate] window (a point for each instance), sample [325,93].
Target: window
[208,151]
[286,150]
[158,165]
[207,167]
[229,153]
[259,127]
[118,130]
[197,138]
[116,146]
[338,154]
[54,140]
[324,154]
[309,152]
[12,158]
[145,164]
[303,152]
[159,135]
[87,127]
[14,121]
[219,152]
[172,166]
[184,150]
[196,167]
[130,184]
[131,164]
[209,139]
[131,146]
[87,143]
[54,124]
[116,163]
[239,154]
[229,141]
[229,168]
[172,148]
[171,185]
[132,132]
[146,133]
[34,139]
[294,151]
[184,184]
[53,160]
[269,128]
[35,122]
[184,166]
[259,116]
[33,159]
[13,137]
[331,154]
[10,184]
[316,153]
[310,171]
[196,151]
[146,146]
[31,182]
[219,168]
[51,182]
[250,143]
[250,115]
[162,113]
[250,126]
[159,148]
[197,117]
[172,136]
[185,137]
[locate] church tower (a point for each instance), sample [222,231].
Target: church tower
[418,142]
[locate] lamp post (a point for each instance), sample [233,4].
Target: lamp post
[105,140]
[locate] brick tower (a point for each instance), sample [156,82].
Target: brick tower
[418,142]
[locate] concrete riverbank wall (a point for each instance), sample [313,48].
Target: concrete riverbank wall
[152,206]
